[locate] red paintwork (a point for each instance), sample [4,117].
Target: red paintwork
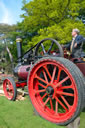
[18,84]
[40,97]
[22,72]
[81,66]
[8,89]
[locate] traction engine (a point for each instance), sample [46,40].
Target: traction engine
[55,83]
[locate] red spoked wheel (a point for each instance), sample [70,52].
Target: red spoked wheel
[53,86]
[9,88]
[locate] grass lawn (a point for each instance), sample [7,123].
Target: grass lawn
[19,114]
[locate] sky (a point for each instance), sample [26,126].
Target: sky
[10,11]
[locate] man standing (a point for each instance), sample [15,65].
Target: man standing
[75,47]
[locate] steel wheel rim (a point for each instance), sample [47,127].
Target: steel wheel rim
[50,113]
[8,89]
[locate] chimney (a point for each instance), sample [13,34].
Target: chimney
[19,49]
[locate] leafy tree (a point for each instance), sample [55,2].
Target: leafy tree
[53,18]
[8,35]
[45,18]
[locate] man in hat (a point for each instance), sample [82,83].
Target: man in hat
[75,47]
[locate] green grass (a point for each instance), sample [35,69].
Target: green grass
[19,114]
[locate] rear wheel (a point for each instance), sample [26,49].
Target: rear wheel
[9,88]
[55,88]
[48,46]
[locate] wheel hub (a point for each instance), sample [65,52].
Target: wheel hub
[50,90]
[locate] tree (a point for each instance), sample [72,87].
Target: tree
[8,35]
[53,18]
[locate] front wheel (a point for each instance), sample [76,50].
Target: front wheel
[9,88]
[55,88]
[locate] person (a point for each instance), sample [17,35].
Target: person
[75,46]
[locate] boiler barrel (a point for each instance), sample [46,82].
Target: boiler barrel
[23,71]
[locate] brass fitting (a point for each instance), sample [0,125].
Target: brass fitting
[18,40]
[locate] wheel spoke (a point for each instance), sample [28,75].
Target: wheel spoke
[10,86]
[53,75]
[39,78]
[9,83]
[46,101]
[41,85]
[45,76]
[56,107]
[65,93]
[39,91]
[47,71]
[6,83]
[43,48]
[50,48]
[61,82]
[60,103]
[10,94]
[59,72]
[51,104]
[44,96]
[67,87]
[65,101]
[10,89]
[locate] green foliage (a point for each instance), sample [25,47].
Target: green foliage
[6,31]
[53,18]
[46,18]
[60,32]
[43,13]
[8,34]
[1,47]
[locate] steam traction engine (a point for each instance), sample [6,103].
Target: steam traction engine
[55,84]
